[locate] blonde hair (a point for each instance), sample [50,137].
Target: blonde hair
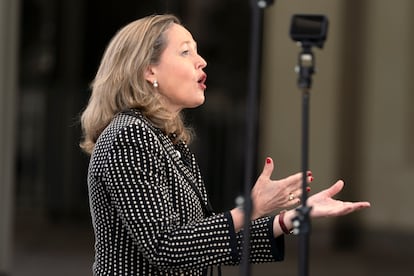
[120,83]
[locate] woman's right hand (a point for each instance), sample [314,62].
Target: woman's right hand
[269,195]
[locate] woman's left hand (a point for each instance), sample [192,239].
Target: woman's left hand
[323,204]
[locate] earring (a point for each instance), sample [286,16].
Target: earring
[155,84]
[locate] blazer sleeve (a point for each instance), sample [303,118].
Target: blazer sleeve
[264,247]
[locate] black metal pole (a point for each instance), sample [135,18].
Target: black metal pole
[302,221]
[252,101]
[304,209]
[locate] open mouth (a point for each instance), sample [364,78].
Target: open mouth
[202,81]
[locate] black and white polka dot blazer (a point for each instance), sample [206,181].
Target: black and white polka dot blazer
[148,219]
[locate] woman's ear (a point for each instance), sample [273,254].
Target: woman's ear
[150,74]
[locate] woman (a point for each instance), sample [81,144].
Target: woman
[149,205]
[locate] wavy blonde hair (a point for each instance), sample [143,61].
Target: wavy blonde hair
[120,81]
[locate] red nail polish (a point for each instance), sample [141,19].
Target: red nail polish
[268,160]
[310,179]
[308,189]
[309,173]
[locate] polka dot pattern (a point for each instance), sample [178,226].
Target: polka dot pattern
[148,219]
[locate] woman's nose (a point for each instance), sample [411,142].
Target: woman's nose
[201,63]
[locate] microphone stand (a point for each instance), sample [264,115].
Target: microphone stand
[252,122]
[308,30]
[302,223]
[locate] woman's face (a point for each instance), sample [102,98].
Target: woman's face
[180,75]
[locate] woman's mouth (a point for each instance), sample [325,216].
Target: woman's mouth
[202,81]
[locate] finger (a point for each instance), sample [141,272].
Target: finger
[334,189]
[310,177]
[294,180]
[268,168]
[294,197]
[299,192]
[350,207]
[360,205]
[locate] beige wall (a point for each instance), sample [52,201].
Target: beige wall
[367,54]
[389,118]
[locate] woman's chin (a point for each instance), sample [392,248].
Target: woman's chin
[199,102]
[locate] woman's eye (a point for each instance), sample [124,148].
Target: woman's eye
[185,52]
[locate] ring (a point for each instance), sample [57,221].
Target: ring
[291,196]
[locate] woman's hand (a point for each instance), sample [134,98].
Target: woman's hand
[323,204]
[269,195]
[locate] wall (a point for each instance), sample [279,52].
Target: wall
[388,136]
[361,126]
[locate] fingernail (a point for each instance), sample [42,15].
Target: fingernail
[308,189]
[309,173]
[311,179]
[268,160]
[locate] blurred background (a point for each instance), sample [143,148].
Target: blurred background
[361,127]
